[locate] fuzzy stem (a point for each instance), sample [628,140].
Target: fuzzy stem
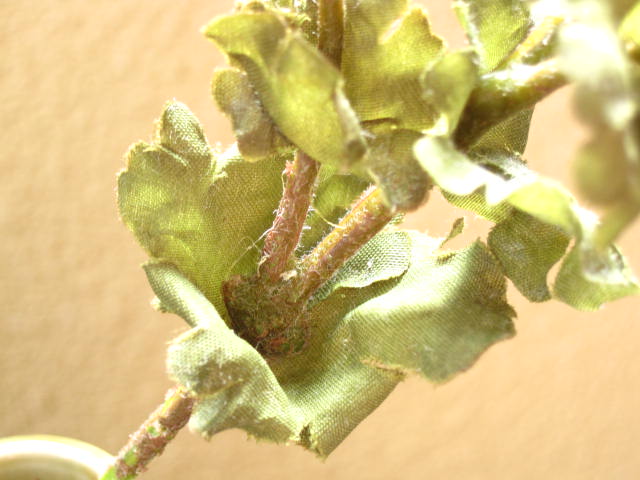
[153,436]
[502,94]
[368,216]
[284,235]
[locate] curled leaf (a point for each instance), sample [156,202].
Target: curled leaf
[256,133]
[494,27]
[183,207]
[387,48]
[296,84]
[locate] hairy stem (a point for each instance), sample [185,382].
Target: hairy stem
[368,216]
[502,94]
[153,436]
[284,235]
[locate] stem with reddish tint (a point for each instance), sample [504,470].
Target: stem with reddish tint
[368,216]
[153,436]
[283,237]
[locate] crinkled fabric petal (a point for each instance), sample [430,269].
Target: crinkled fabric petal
[438,318]
[544,200]
[387,48]
[608,100]
[589,278]
[296,84]
[234,385]
[205,218]
[494,27]
[257,135]
[527,249]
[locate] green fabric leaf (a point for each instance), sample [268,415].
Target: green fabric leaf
[589,278]
[447,86]
[608,100]
[182,207]
[387,48]
[494,27]
[527,249]
[255,132]
[394,168]
[442,314]
[547,202]
[434,314]
[296,84]
[226,373]
[334,195]
[371,264]
[519,187]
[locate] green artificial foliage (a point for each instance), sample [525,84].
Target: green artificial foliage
[367,90]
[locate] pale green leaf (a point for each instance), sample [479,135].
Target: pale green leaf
[447,86]
[515,187]
[296,84]
[392,164]
[372,263]
[589,278]
[211,361]
[440,316]
[527,249]
[255,132]
[494,27]
[184,209]
[608,100]
[387,48]
[434,315]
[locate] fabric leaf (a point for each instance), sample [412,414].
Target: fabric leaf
[544,200]
[434,315]
[447,86]
[589,278]
[296,84]
[494,27]
[219,367]
[608,100]
[387,48]
[185,209]
[527,249]
[393,166]
[441,315]
[255,132]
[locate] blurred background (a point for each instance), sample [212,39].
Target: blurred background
[82,353]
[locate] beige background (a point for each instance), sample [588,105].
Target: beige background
[81,352]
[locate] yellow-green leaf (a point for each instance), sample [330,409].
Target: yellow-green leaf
[296,84]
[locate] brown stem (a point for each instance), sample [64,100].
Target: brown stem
[153,436]
[368,216]
[283,238]
[500,95]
